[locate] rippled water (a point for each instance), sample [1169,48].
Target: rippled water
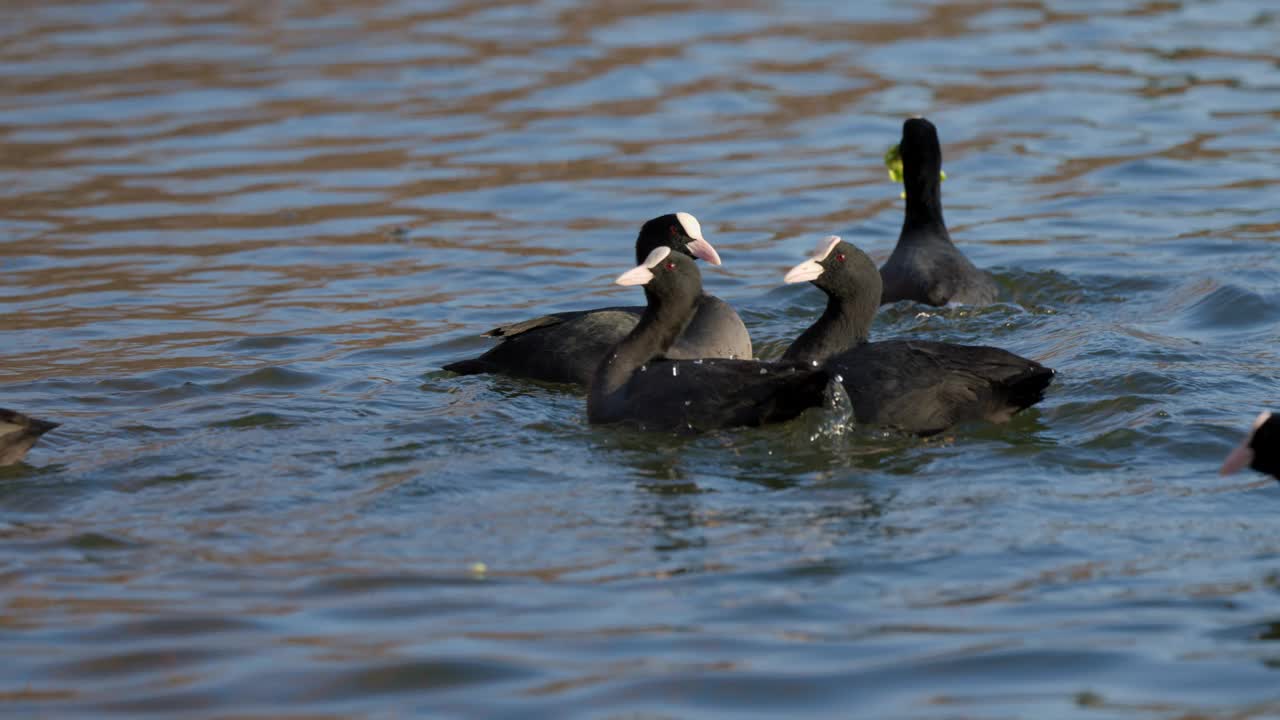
[238,241]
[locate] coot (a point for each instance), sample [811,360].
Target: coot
[632,384]
[1260,449]
[918,386]
[566,347]
[925,265]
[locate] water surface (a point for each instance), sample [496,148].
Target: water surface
[239,240]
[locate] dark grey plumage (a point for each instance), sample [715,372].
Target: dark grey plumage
[925,387]
[1260,449]
[632,385]
[837,268]
[919,386]
[925,265]
[566,347]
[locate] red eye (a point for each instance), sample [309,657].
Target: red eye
[671,265]
[839,257]
[671,230]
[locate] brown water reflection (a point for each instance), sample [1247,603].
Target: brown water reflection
[238,240]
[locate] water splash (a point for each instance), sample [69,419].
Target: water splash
[837,418]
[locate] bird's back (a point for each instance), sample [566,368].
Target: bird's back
[925,387]
[933,271]
[564,347]
[690,396]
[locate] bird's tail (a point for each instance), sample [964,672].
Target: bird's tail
[1027,388]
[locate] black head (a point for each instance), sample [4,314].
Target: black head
[921,152]
[669,278]
[1260,450]
[678,231]
[853,286]
[840,270]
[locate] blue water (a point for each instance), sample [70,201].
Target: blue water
[237,242]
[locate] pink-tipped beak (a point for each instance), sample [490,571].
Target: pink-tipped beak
[804,272]
[638,275]
[1239,459]
[702,249]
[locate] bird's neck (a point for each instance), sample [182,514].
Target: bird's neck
[924,207]
[845,323]
[659,326]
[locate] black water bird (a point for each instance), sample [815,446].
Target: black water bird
[1260,449]
[925,265]
[919,386]
[566,347]
[18,433]
[633,384]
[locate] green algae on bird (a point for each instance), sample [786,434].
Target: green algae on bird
[893,163]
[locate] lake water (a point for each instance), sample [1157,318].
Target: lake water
[238,240]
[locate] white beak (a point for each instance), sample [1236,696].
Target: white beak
[702,249]
[1242,456]
[804,272]
[643,273]
[1239,459]
[638,275]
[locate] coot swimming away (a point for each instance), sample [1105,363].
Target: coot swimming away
[18,433]
[566,347]
[918,386]
[633,385]
[925,265]
[1260,449]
